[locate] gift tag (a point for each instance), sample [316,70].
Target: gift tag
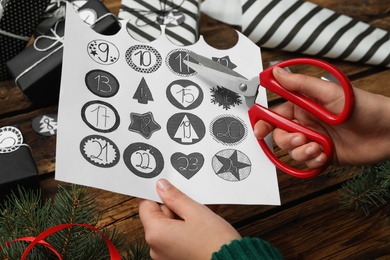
[45,125]
[10,139]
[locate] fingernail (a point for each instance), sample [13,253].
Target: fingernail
[297,140]
[163,184]
[280,70]
[320,159]
[310,150]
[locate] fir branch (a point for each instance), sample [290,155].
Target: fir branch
[138,251]
[370,188]
[24,214]
[76,205]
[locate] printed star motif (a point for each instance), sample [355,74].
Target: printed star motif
[144,124]
[225,61]
[171,19]
[232,165]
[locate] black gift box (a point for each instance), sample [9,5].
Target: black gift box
[37,69]
[17,169]
[18,20]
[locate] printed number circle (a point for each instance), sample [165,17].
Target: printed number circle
[143,160]
[229,130]
[175,62]
[10,139]
[143,58]
[231,165]
[102,83]
[184,94]
[45,125]
[100,116]
[99,151]
[103,52]
[185,128]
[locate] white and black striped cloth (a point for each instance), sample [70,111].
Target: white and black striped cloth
[304,27]
[143,25]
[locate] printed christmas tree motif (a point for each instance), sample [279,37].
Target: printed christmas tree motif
[143,94]
[48,125]
[225,61]
[225,98]
[185,131]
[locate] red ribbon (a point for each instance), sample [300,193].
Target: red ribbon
[44,243]
[114,254]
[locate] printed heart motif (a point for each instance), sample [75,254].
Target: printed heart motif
[185,95]
[187,165]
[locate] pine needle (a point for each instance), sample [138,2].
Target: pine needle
[24,214]
[369,188]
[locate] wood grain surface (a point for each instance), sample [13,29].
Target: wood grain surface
[310,223]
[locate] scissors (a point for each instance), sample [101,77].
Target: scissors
[237,83]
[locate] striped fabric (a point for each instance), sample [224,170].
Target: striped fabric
[304,27]
[142,18]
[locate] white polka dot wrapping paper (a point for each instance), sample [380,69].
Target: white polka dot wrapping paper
[18,20]
[303,27]
[131,113]
[37,69]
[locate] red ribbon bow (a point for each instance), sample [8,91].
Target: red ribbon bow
[114,254]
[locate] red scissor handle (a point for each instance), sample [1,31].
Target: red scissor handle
[258,112]
[268,81]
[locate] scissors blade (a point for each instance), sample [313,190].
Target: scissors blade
[223,76]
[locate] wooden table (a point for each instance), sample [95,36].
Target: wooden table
[310,223]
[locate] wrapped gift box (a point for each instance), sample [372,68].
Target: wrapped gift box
[180,17]
[18,20]
[99,17]
[17,169]
[54,12]
[304,27]
[37,70]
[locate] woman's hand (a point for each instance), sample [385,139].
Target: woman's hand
[363,139]
[181,228]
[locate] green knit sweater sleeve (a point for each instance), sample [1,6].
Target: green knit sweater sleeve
[247,249]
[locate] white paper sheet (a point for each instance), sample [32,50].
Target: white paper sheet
[131,113]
